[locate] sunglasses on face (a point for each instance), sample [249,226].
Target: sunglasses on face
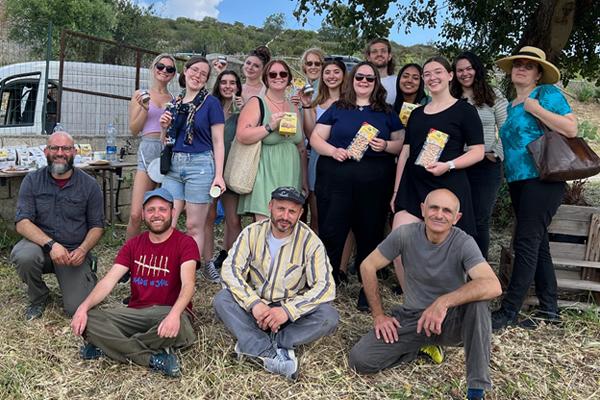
[169,68]
[282,74]
[360,77]
[311,63]
[529,66]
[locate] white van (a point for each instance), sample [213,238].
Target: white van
[93,95]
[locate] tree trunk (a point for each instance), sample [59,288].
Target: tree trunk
[550,27]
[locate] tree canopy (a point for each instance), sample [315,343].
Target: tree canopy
[567,30]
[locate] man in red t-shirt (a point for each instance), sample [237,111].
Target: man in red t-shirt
[162,263]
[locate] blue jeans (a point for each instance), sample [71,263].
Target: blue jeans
[485,178]
[535,203]
[190,176]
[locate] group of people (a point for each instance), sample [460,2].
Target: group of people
[279,274]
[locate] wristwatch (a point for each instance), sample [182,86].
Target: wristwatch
[451,165]
[268,128]
[47,248]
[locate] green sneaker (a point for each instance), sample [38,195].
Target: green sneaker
[435,352]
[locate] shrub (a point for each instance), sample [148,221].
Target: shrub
[586,92]
[503,214]
[588,131]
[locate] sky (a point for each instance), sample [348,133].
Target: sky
[254,12]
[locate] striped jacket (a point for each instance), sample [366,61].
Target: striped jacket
[299,280]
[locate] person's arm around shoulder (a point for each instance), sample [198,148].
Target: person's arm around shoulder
[99,293]
[564,124]
[169,326]
[386,327]
[484,285]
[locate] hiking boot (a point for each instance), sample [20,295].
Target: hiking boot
[90,352]
[211,273]
[502,318]
[165,363]
[538,318]
[284,363]
[435,352]
[218,260]
[362,304]
[34,311]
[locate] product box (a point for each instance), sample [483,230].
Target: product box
[360,143]
[432,148]
[287,126]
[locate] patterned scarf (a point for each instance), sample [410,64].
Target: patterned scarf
[184,108]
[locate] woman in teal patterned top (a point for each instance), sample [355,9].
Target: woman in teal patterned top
[534,201]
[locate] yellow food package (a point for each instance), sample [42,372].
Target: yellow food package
[298,84]
[432,148]
[405,111]
[287,126]
[363,137]
[85,150]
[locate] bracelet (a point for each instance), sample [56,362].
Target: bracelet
[386,143]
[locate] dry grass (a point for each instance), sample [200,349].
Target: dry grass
[39,359]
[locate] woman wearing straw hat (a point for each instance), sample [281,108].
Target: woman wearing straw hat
[534,201]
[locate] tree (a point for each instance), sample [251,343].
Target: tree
[567,30]
[274,24]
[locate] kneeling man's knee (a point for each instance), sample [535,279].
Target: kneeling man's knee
[360,361]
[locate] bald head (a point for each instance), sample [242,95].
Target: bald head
[443,197]
[60,136]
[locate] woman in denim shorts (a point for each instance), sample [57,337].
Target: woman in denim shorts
[194,128]
[144,118]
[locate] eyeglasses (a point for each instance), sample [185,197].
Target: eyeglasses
[311,63]
[282,74]
[529,66]
[360,77]
[66,149]
[169,68]
[197,71]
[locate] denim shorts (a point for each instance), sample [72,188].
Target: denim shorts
[191,176]
[148,150]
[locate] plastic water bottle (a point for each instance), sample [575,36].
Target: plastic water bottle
[111,143]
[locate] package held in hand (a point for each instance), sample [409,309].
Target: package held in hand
[360,143]
[432,148]
[287,126]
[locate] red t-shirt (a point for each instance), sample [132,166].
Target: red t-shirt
[155,268]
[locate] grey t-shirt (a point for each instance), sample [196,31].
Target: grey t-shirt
[430,270]
[389,83]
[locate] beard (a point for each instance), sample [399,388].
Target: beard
[282,225]
[59,168]
[157,230]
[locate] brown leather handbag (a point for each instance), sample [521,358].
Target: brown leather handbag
[559,158]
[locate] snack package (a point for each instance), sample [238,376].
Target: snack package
[405,111]
[298,84]
[432,148]
[287,126]
[85,150]
[360,143]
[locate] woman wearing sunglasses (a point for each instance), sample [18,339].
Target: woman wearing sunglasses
[144,115]
[485,176]
[228,89]
[194,129]
[460,122]
[282,156]
[353,195]
[534,201]
[312,62]
[253,72]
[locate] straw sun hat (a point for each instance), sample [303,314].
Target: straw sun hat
[550,74]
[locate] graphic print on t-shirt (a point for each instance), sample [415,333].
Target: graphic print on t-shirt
[151,266]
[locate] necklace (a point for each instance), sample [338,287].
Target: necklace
[361,108]
[278,105]
[255,85]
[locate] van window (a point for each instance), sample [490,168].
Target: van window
[18,96]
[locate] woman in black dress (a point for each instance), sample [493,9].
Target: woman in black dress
[460,121]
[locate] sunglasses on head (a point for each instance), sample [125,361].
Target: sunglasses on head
[169,68]
[282,74]
[360,77]
[311,63]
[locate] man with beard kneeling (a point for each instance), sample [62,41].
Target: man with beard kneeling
[278,287]
[162,263]
[60,216]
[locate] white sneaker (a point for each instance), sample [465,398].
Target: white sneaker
[284,363]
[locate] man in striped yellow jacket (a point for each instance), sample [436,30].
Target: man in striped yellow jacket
[278,287]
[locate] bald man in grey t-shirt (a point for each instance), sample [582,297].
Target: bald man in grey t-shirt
[442,306]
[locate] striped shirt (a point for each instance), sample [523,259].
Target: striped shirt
[299,278]
[492,119]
